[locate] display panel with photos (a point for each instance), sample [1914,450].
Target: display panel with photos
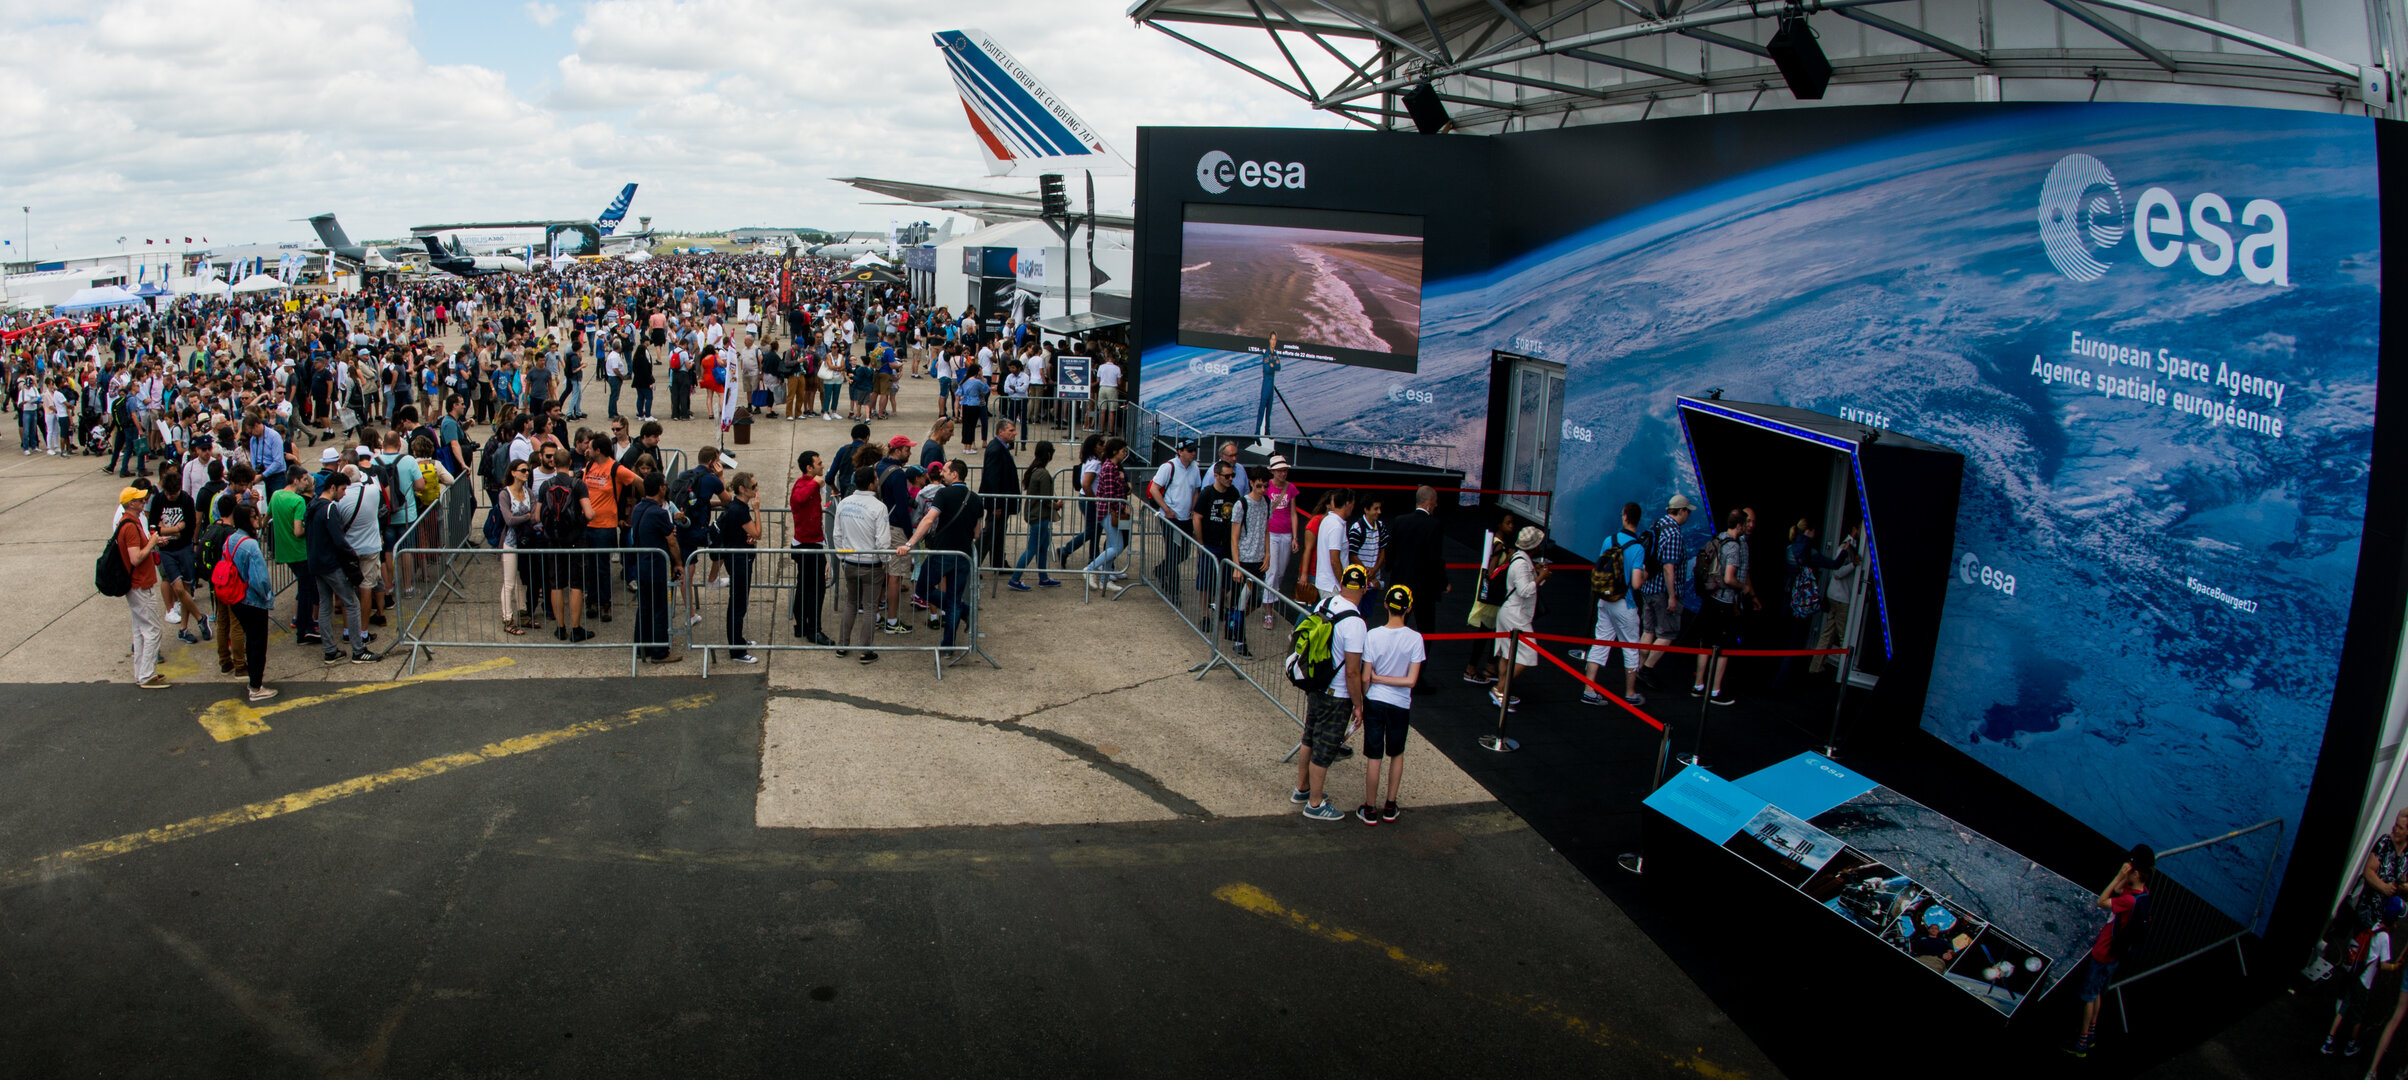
[1329,285]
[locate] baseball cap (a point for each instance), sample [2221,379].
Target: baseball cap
[329,456]
[1187,444]
[1277,462]
[898,442]
[1354,576]
[132,494]
[1399,599]
[1677,502]
[362,451]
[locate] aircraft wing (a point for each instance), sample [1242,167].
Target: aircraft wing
[992,215]
[912,191]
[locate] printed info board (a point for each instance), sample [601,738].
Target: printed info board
[1990,921]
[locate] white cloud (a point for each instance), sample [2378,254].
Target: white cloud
[234,118]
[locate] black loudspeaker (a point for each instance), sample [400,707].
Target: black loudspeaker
[1429,113]
[1800,58]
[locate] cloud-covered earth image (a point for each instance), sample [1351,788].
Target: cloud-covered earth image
[2165,466]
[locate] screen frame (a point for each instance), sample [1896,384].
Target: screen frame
[1296,217]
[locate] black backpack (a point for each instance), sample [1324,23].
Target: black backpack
[496,469]
[110,574]
[211,547]
[560,510]
[2132,934]
[387,475]
[681,494]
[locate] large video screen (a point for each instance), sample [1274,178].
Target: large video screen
[1329,285]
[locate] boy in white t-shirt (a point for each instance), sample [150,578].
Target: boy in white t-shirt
[1392,658]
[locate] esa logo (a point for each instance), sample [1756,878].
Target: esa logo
[2082,221]
[1578,433]
[1398,394]
[1971,571]
[1216,172]
[1197,365]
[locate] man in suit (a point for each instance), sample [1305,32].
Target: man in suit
[1417,558]
[998,476]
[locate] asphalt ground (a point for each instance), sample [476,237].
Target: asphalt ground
[532,877]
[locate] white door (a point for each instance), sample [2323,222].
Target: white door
[1537,422]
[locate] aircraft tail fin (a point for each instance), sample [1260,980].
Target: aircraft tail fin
[434,247]
[616,212]
[1023,127]
[330,231]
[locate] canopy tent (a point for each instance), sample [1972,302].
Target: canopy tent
[871,275]
[152,288]
[866,259]
[258,283]
[190,286]
[104,296]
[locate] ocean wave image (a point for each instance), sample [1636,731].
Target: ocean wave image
[1311,287]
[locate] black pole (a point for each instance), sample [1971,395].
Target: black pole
[1705,704]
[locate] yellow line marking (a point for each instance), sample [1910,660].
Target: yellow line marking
[233,719]
[129,843]
[1250,899]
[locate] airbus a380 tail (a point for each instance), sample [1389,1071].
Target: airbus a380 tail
[616,212]
[1023,128]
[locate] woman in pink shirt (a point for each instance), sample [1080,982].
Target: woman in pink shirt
[1281,541]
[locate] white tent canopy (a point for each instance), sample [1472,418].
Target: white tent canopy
[188,286]
[865,259]
[104,296]
[258,283]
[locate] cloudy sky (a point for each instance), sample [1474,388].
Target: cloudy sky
[232,119]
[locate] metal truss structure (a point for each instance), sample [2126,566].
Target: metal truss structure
[1509,65]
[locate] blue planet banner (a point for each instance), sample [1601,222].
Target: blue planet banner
[2151,330]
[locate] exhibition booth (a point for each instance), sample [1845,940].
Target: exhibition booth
[2096,382]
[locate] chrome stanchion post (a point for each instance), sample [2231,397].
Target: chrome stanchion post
[1704,705]
[1499,742]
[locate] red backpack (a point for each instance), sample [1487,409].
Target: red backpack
[226,582]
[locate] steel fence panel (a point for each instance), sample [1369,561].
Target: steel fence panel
[465,607]
[775,582]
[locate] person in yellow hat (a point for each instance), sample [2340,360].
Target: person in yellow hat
[139,548]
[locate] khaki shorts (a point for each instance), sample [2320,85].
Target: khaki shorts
[883,384]
[897,565]
[372,573]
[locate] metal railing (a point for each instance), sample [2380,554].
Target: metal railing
[2186,921]
[770,580]
[1010,514]
[1203,589]
[464,607]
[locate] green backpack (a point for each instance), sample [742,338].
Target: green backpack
[1311,664]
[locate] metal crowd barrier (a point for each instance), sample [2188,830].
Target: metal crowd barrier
[1200,587]
[463,608]
[2187,922]
[1071,524]
[768,595]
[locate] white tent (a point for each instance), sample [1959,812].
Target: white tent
[104,296]
[258,283]
[188,286]
[865,259]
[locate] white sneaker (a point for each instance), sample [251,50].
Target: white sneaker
[693,620]
[721,583]
[175,617]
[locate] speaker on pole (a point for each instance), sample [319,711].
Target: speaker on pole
[1429,113]
[1800,58]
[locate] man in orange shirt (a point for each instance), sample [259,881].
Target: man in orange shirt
[607,484]
[139,548]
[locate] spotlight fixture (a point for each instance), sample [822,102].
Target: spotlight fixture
[1429,113]
[1800,57]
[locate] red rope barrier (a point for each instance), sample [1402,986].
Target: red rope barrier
[1687,650]
[1608,695]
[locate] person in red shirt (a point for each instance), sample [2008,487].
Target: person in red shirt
[807,504]
[140,549]
[2126,900]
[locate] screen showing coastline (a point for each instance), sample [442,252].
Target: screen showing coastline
[1330,285]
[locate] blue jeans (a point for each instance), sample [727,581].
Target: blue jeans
[575,405]
[953,586]
[643,401]
[1112,545]
[615,382]
[828,393]
[1040,537]
[29,429]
